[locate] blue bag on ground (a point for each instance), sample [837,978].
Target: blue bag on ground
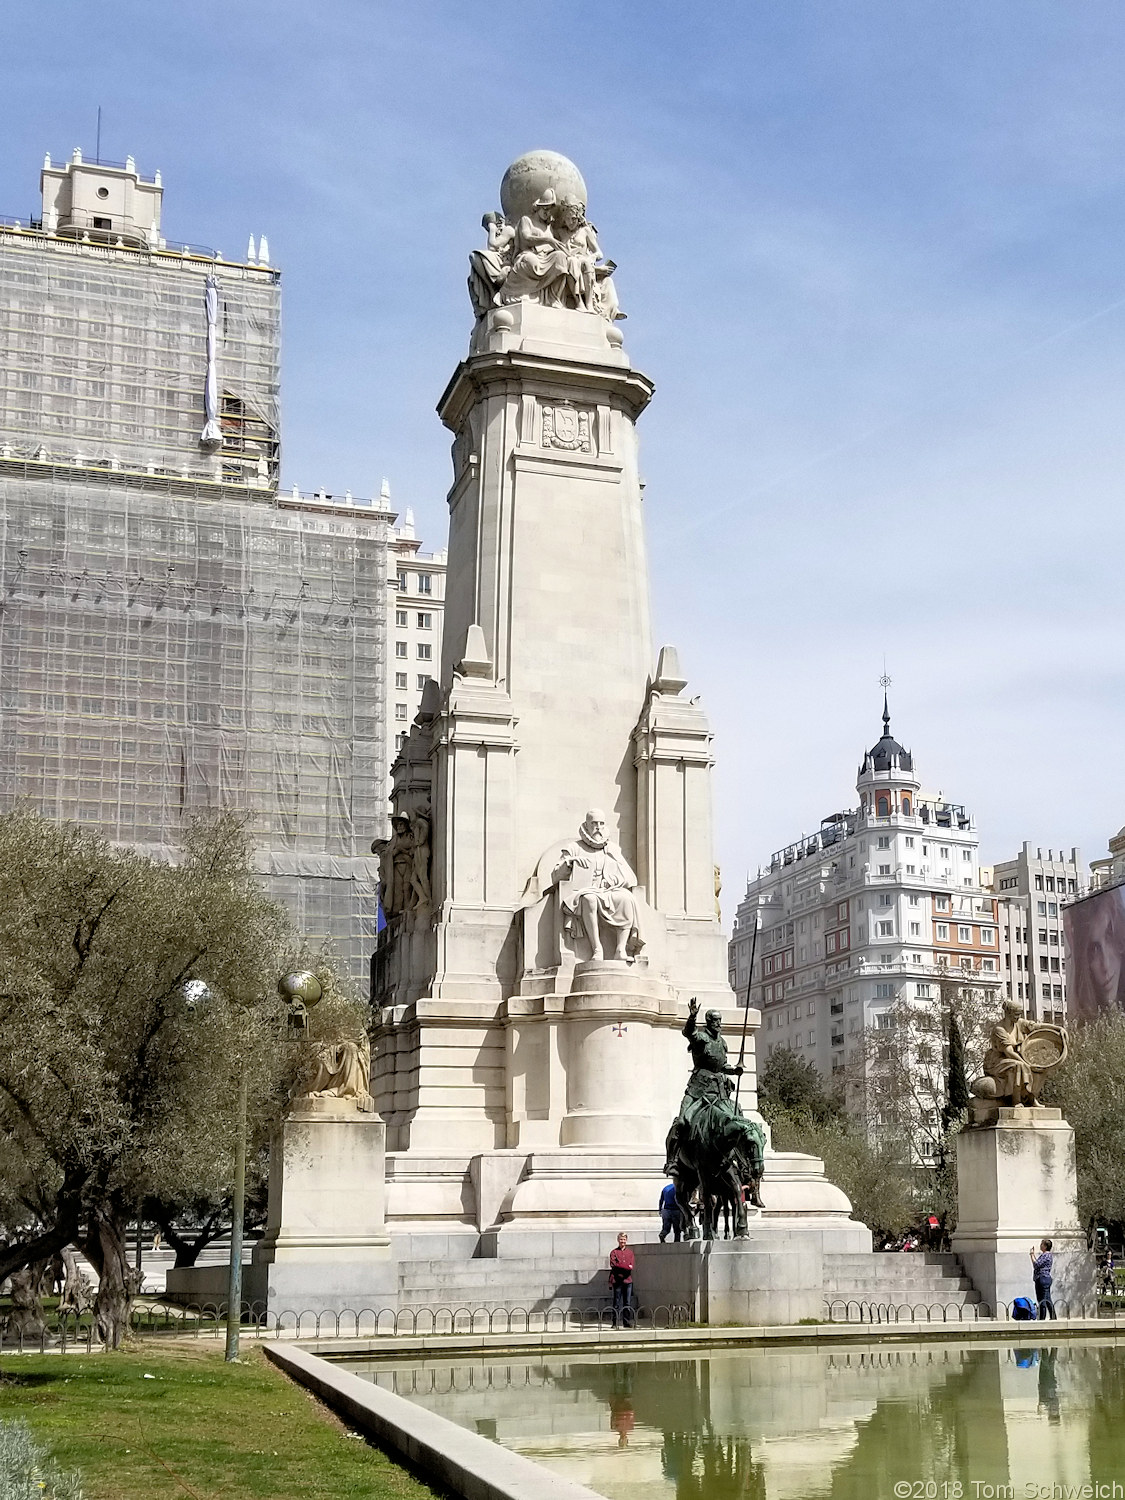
[1023,1308]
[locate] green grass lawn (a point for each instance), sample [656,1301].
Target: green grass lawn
[198,1428]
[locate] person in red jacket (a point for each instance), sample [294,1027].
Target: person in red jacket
[621,1263]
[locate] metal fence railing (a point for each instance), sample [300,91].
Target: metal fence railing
[62,1331]
[862,1310]
[154,1317]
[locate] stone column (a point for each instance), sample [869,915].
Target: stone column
[1017,1184]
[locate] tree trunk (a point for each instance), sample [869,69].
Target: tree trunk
[108,1248]
[26,1315]
[41,1247]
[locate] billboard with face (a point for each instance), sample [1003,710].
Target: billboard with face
[1095,940]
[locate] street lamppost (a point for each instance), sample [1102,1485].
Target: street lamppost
[299,991]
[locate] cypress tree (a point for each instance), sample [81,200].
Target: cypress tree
[957,1096]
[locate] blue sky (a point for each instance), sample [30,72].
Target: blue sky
[871,253]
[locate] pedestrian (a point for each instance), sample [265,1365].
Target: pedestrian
[669,1214]
[1042,1264]
[621,1263]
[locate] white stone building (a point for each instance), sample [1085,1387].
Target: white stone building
[1031,891]
[1110,869]
[415,616]
[875,907]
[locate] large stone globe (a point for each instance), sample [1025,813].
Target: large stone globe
[530,175]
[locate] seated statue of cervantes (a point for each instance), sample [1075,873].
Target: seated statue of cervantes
[595,886]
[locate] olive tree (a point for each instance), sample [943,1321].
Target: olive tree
[117,1086]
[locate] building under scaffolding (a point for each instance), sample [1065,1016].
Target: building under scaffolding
[174,635]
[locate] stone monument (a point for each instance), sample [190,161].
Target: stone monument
[325,1243]
[531,989]
[1016,1175]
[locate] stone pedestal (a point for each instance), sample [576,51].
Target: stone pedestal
[769,1278]
[326,1247]
[1016,1185]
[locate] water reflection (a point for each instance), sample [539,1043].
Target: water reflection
[794,1422]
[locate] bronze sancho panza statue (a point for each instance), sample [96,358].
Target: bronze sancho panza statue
[713,1149]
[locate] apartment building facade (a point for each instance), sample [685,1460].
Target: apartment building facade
[877,906]
[1031,891]
[415,616]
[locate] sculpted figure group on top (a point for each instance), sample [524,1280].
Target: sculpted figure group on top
[550,255]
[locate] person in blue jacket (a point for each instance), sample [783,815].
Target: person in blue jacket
[670,1217]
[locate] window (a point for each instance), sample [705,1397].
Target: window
[882,806]
[967,856]
[914,900]
[884,991]
[1055,966]
[923,991]
[425,620]
[400,648]
[987,936]
[1038,882]
[944,851]
[402,618]
[884,841]
[400,681]
[910,870]
[842,911]
[1050,882]
[915,929]
[812,1038]
[885,929]
[1054,940]
[1043,964]
[941,932]
[1071,887]
[910,843]
[886,900]
[401,582]
[425,651]
[400,710]
[1052,908]
[1042,907]
[812,1007]
[885,1021]
[884,869]
[425,583]
[988,964]
[400,740]
[964,934]
[423,678]
[941,903]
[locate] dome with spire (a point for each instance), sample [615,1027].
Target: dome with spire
[887,754]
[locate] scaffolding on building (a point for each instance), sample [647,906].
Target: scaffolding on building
[169,646]
[104,358]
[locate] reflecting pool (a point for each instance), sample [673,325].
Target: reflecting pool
[935,1421]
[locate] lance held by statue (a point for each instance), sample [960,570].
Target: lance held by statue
[714,1151]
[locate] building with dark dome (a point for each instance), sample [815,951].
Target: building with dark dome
[874,907]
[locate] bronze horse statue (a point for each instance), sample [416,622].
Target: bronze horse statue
[713,1150]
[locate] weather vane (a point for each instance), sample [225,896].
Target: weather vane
[885,681]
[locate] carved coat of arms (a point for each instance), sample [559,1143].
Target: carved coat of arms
[564,426]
